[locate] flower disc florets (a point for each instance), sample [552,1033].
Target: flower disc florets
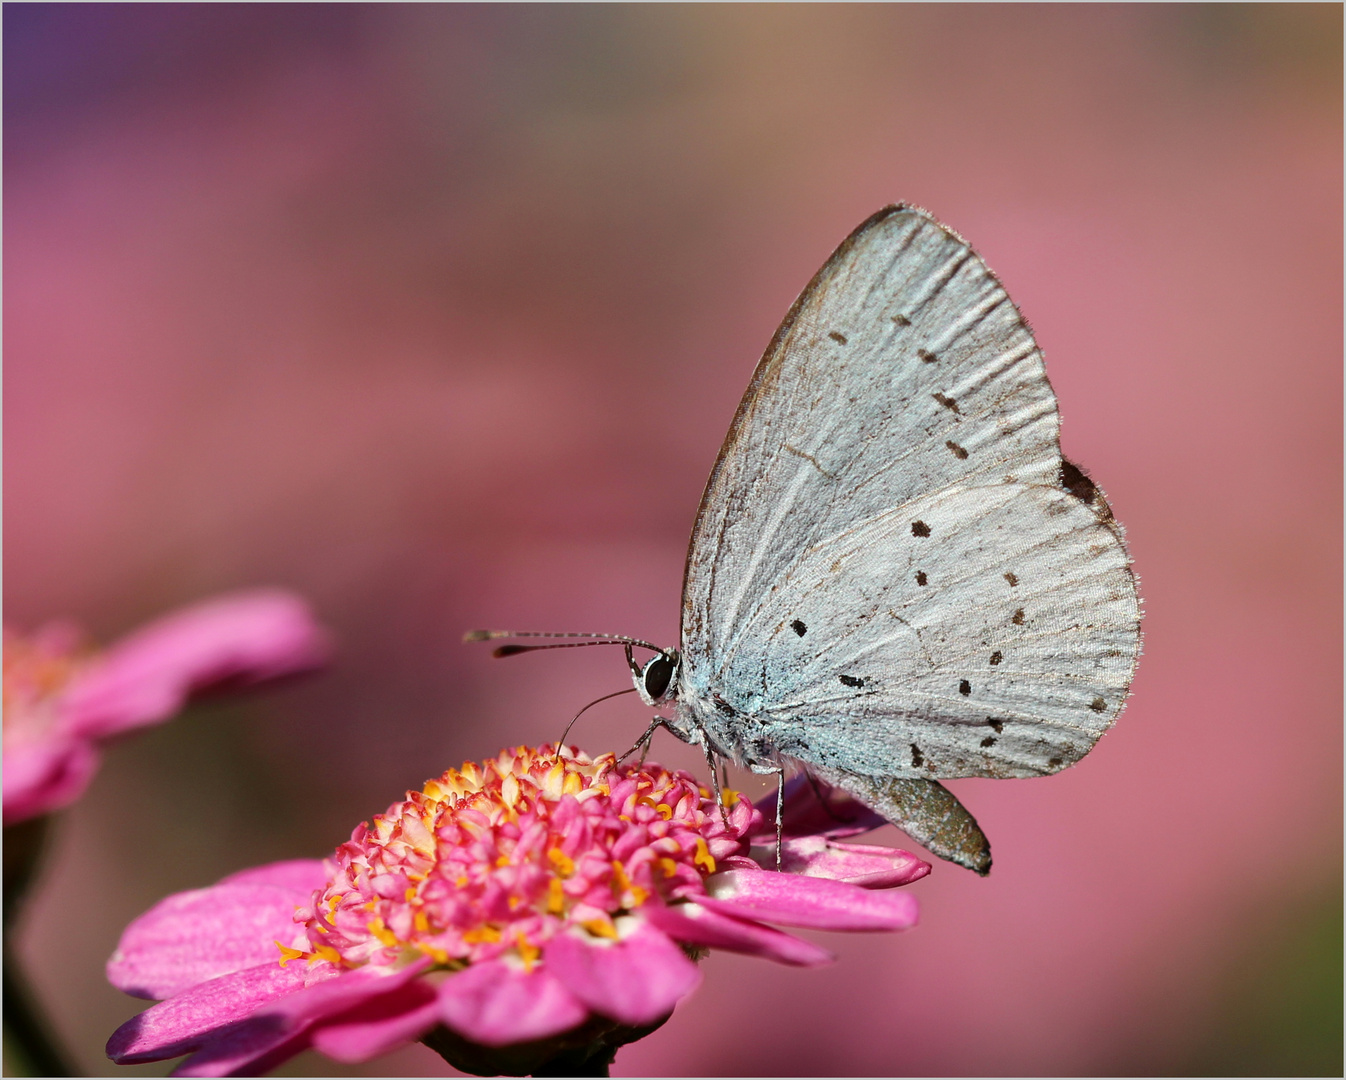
[492,861]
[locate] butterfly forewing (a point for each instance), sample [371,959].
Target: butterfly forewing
[886,574]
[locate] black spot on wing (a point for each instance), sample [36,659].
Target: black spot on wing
[1013,579]
[851,680]
[1018,617]
[964,687]
[901,320]
[1076,481]
[948,402]
[926,356]
[997,725]
[1054,763]
[996,657]
[797,625]
[921,579]
[958,451]
[917,760]
[920,528]
[1098,704]
[988,741]
[837,336]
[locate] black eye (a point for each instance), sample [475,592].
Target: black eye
[658,674]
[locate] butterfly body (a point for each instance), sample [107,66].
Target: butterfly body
[894,574]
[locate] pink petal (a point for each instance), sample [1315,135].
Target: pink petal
[699,925]
[382,1025]
[192,937]
[348,990]
[279,1029]
[806,815]
[183,1023]
[866,865]
[45,776]
[300,875]
[147,677]
[807,901]
[635,980]
[495,1005]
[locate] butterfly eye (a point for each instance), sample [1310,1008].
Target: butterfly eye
[658,674]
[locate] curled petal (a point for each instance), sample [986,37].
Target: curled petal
[147,677]
[699,925]
[807,901]
[381,1025]
[45,776]
[333,996]
[183,1023]
[836,814]
[867,865]
[635,980]
[494,1004]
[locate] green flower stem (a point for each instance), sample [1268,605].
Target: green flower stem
[27,1035]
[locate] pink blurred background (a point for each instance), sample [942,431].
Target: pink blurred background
[438,315]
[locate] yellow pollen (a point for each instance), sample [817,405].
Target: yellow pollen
[421,922]
[556,897]
[514,903]
[461,881]
[703,856]
[730,797]
[482,933]
[325,952]
[601,928]
[565,865]
[502,860]
[410,894]
[665,811]
[619,873]
[376,927]
[668,866]
[527,953]
[438,955]
[287,954]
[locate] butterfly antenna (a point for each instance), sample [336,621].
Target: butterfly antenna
[515,650]
[615,693]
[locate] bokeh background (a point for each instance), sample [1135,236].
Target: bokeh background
[438,315]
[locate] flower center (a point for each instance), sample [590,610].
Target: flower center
[494,860]
[37,670]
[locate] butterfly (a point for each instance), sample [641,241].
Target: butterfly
[895,577]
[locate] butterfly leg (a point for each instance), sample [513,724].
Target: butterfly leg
[715,780]
[780,814]
[644,740]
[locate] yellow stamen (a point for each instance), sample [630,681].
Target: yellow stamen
[601,928]
[703,856]
[287,954]
[564,864]
[556,897]
[325,952]
[376,927]
[527,953]
[484,932]
[421,922]
[665,811]
[668,866]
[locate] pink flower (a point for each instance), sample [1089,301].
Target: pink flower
[61,699]
[508,912]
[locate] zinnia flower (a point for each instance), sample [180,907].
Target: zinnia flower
[62,699]
[540,905]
